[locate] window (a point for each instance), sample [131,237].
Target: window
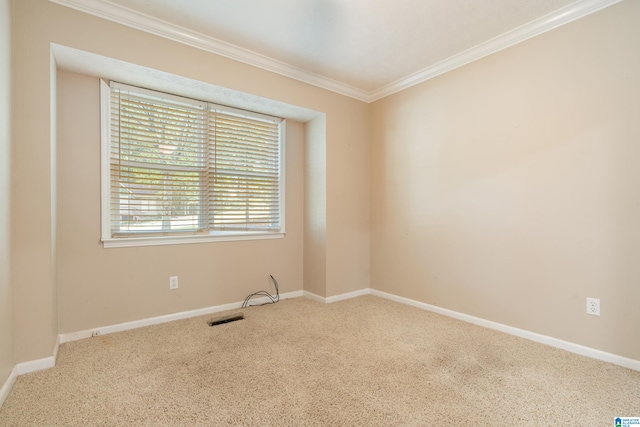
[177,170]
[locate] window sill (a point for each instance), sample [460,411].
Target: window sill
[128,242]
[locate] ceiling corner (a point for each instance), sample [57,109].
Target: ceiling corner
[534,28]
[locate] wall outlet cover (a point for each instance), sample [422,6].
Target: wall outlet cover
[593,306]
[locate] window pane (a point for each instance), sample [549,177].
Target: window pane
[161,134]
[158,201]
[246,202]
[245,191]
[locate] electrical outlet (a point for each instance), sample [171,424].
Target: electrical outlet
[173,282]
[593,306]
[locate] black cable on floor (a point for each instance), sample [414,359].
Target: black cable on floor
[274,299]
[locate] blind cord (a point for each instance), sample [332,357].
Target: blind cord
[274,299]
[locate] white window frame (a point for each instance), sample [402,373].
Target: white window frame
[132,241]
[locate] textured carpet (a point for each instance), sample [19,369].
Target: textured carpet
[360,362]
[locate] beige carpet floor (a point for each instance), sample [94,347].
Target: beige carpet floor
[360,362]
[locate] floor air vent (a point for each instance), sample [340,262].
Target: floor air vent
[225,319]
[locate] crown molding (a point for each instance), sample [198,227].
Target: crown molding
[143,22]
[140,21]
[534,28]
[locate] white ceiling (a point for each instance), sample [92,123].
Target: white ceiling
[363,48]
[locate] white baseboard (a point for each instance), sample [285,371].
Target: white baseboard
[543,339]
[314,297]
[36,365]
[40,364]
[336,298]
[348,295]
[103,330]
[8,385]
[263,300]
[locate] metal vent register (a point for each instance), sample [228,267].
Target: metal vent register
[225,319]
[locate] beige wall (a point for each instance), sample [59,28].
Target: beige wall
[6,294]
[32,257]
[508,189]
[315,207]
[337,204]
[92,291]
[348,201]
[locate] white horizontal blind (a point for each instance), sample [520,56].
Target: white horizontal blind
[244,189]
[180,166]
